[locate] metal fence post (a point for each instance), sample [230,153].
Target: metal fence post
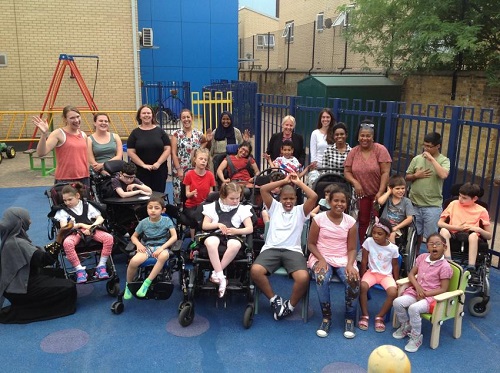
[390,127]
[453,141]
[337,105]
[292,105]
[257,129]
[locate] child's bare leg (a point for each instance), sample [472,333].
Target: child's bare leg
[392,293]
[233,246]
[301,282]
[446,235]
[212,245]
[160,262]
[134,263]
[473,247]
[363,298]
[259,276]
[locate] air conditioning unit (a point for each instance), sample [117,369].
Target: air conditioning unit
[147,37]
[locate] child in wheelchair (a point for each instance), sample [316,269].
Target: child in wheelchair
[466,221]
[152,238]
[126,184]
[86,220]
[398,209]
[224,219]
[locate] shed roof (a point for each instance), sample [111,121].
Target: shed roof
[352,80]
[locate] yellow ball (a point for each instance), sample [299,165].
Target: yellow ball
[388,359]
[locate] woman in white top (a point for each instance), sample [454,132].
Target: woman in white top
[318,143]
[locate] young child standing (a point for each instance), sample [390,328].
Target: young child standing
[323,202]
[86,218]
[199,183]
[226,216]
[126,184]
[332,243]
[287,162]
[434,274]
[465,215]
[152,237]
[379,265]
[398,209]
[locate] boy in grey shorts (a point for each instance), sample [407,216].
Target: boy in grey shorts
[283,247]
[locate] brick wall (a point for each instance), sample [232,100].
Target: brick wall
[34,34]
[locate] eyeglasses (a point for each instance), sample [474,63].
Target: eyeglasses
[434,244]
[367,125]
[130,177]
[426,146]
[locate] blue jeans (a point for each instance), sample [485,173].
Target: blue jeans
[426,219]
[351,295]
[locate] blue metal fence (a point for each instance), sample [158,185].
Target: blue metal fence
[470,137]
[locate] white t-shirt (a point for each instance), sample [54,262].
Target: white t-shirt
[244,211]
[285,228]
[92,212]
[318,146]
[380,257]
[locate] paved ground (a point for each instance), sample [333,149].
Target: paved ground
[16,172]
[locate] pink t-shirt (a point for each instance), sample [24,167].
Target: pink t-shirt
[471,214]
[367,170]
[332,240]
[430,275]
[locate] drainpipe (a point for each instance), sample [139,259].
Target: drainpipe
[314,42]
[135,53]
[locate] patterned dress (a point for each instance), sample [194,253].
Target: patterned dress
[185,147]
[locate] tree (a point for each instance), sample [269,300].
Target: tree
[425,35]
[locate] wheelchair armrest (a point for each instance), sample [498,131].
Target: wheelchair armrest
[403,281]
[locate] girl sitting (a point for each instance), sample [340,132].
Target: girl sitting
[381,256]
[86,218]
[238,166]
[225,216]
[199,183]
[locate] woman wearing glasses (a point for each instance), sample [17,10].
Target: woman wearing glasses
[367,168]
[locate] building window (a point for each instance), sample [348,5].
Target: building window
[288,31]
[265,41]
[320,22]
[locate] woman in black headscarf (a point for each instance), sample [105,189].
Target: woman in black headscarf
[226,134]
[34,295]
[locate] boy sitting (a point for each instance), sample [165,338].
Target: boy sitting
[465,215]
[125,184]
[399,210]
[287,162]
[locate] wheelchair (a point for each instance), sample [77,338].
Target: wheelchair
[195,276]
[88,250]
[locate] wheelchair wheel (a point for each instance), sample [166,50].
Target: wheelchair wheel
[186,314]
[113,288]
[478,307]
[117,307]
[248,317]
[411,250]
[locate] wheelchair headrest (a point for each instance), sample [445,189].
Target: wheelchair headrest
[232,148]
[112,167]
[212,197]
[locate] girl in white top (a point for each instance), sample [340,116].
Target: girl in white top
[225,216]
[381,256]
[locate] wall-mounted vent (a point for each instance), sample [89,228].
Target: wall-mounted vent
[147,37]
[3,59]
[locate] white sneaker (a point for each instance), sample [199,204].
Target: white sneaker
[402,331]
[414,343]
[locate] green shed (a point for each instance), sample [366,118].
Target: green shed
[365,87]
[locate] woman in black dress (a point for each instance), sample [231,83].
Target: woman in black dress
[34,295]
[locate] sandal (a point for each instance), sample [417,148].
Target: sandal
[363,322]
[379,324]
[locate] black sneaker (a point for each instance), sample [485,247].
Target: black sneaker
[277,306]
[349,332]
[324,329]
[286,310]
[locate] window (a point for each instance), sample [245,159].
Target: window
[288,31]
[319,22]
[265,41]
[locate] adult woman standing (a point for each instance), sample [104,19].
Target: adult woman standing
[70,144]
[33,295]
[318,142]
[148,147]
[338,148]
[184,142]
[276,141]
[367,168]
[226,134]
[102,145]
